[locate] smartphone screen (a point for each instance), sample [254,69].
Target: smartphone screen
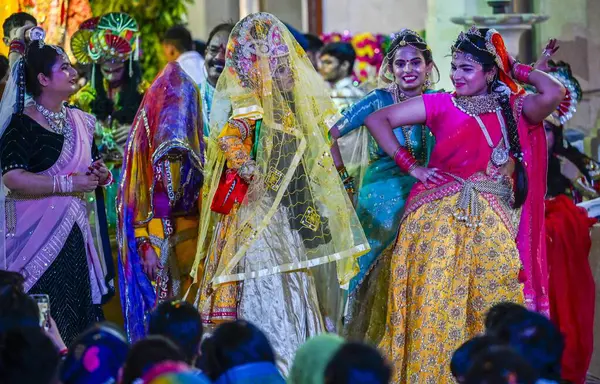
[43,302]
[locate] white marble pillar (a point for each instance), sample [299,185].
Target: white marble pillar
[203,15]
[249,6]
[288,11]
[441,32]
[375,16]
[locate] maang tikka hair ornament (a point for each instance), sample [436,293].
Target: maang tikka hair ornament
[260,42]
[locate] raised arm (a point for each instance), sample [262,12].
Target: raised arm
[355,115]
[536,107]
[18,45]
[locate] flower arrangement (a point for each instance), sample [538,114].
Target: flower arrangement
[370,51]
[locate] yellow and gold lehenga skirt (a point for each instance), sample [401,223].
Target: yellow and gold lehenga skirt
[445,276]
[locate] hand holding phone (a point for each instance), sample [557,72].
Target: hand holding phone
[43,302]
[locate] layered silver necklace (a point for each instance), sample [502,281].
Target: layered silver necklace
[57,121]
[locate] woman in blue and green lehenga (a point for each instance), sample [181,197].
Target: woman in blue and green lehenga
[383,188]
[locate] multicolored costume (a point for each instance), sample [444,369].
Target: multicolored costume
[384,189]
[382,195]
[112,37]
[278,235]
[455,254]
[158,196]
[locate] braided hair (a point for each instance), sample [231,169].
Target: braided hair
[475,45]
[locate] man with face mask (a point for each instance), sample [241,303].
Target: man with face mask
[214,62]
[336,63]
[114,92]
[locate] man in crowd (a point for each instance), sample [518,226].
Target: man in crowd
[216,45]
[314,46]
[336,64]
[15,37]
[178,45]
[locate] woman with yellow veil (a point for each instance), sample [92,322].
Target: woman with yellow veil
[278,234]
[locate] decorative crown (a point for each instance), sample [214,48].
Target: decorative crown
[264,42]
[112,36]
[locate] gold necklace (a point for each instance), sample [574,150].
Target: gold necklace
[409,144]
[397,93]
[476,105]
[399,97]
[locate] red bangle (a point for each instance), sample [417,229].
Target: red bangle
[143,244]
[404,160]
[63,352]
[109,180]
[521,72]
[17,46]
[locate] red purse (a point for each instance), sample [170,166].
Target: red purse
[232,189]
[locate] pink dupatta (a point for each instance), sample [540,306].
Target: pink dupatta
[37,227]
[530,240]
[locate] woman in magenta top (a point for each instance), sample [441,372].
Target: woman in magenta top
[457,251]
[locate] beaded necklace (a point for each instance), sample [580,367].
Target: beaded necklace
[476,105]
[57,121]
[399,97]
[479,105]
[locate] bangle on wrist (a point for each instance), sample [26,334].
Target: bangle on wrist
[404,160]
[64,183]
[109,180]
[143,244]
[521,72]
[17,46]
[349,185]
[412,167]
